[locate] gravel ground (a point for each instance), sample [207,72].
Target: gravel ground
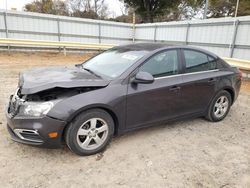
[192,153]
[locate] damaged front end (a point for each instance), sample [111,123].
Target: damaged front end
[40,89]
[39,104]
[27,120]
[38,93]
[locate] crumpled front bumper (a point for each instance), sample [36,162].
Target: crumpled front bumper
[36,130]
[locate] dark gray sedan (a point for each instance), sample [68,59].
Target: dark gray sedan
[122,89]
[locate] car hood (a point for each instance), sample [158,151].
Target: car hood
[41,79]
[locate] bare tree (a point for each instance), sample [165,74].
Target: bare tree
[56,7]
[88,8]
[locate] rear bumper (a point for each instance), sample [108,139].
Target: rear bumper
[36,130]
[237,89]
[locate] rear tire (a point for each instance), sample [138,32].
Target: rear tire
[90,132]
[219,107]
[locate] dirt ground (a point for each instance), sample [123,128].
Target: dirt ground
[192,153]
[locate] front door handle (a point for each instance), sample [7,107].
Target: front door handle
[175,88]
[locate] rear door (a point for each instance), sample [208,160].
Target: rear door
[199,81]
[160,100]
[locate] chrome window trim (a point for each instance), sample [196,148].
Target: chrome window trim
[183,74]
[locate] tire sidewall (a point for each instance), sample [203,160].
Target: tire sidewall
[71,133]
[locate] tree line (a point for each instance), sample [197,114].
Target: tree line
[146,10]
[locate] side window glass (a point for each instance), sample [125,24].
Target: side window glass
[197,61]
[162,64]
[212,63]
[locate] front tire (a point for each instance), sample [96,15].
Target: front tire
[90,132]
[219,106]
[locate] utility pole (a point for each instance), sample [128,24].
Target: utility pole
[235,27]
[237,7]
[133,27]
[205,11]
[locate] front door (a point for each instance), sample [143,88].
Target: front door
[158,101]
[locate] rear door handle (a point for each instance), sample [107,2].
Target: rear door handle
[175,88]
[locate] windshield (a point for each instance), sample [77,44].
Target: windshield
[113,63]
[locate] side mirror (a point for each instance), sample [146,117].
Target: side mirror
[143,78]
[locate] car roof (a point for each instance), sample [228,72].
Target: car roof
[142,46]
[149,47]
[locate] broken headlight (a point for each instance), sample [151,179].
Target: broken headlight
[36,109]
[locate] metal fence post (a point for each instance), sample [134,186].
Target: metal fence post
[155,33]
[64,51]
[100,33]
[6,28]
[232,45]
[205,11]
[187,33]
[58,32]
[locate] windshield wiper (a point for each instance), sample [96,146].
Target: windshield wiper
[92,72]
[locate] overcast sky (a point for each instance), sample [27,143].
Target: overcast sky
[114,5]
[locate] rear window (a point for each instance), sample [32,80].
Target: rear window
[198,61]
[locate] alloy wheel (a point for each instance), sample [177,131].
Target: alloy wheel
[92,133]
[221,106]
